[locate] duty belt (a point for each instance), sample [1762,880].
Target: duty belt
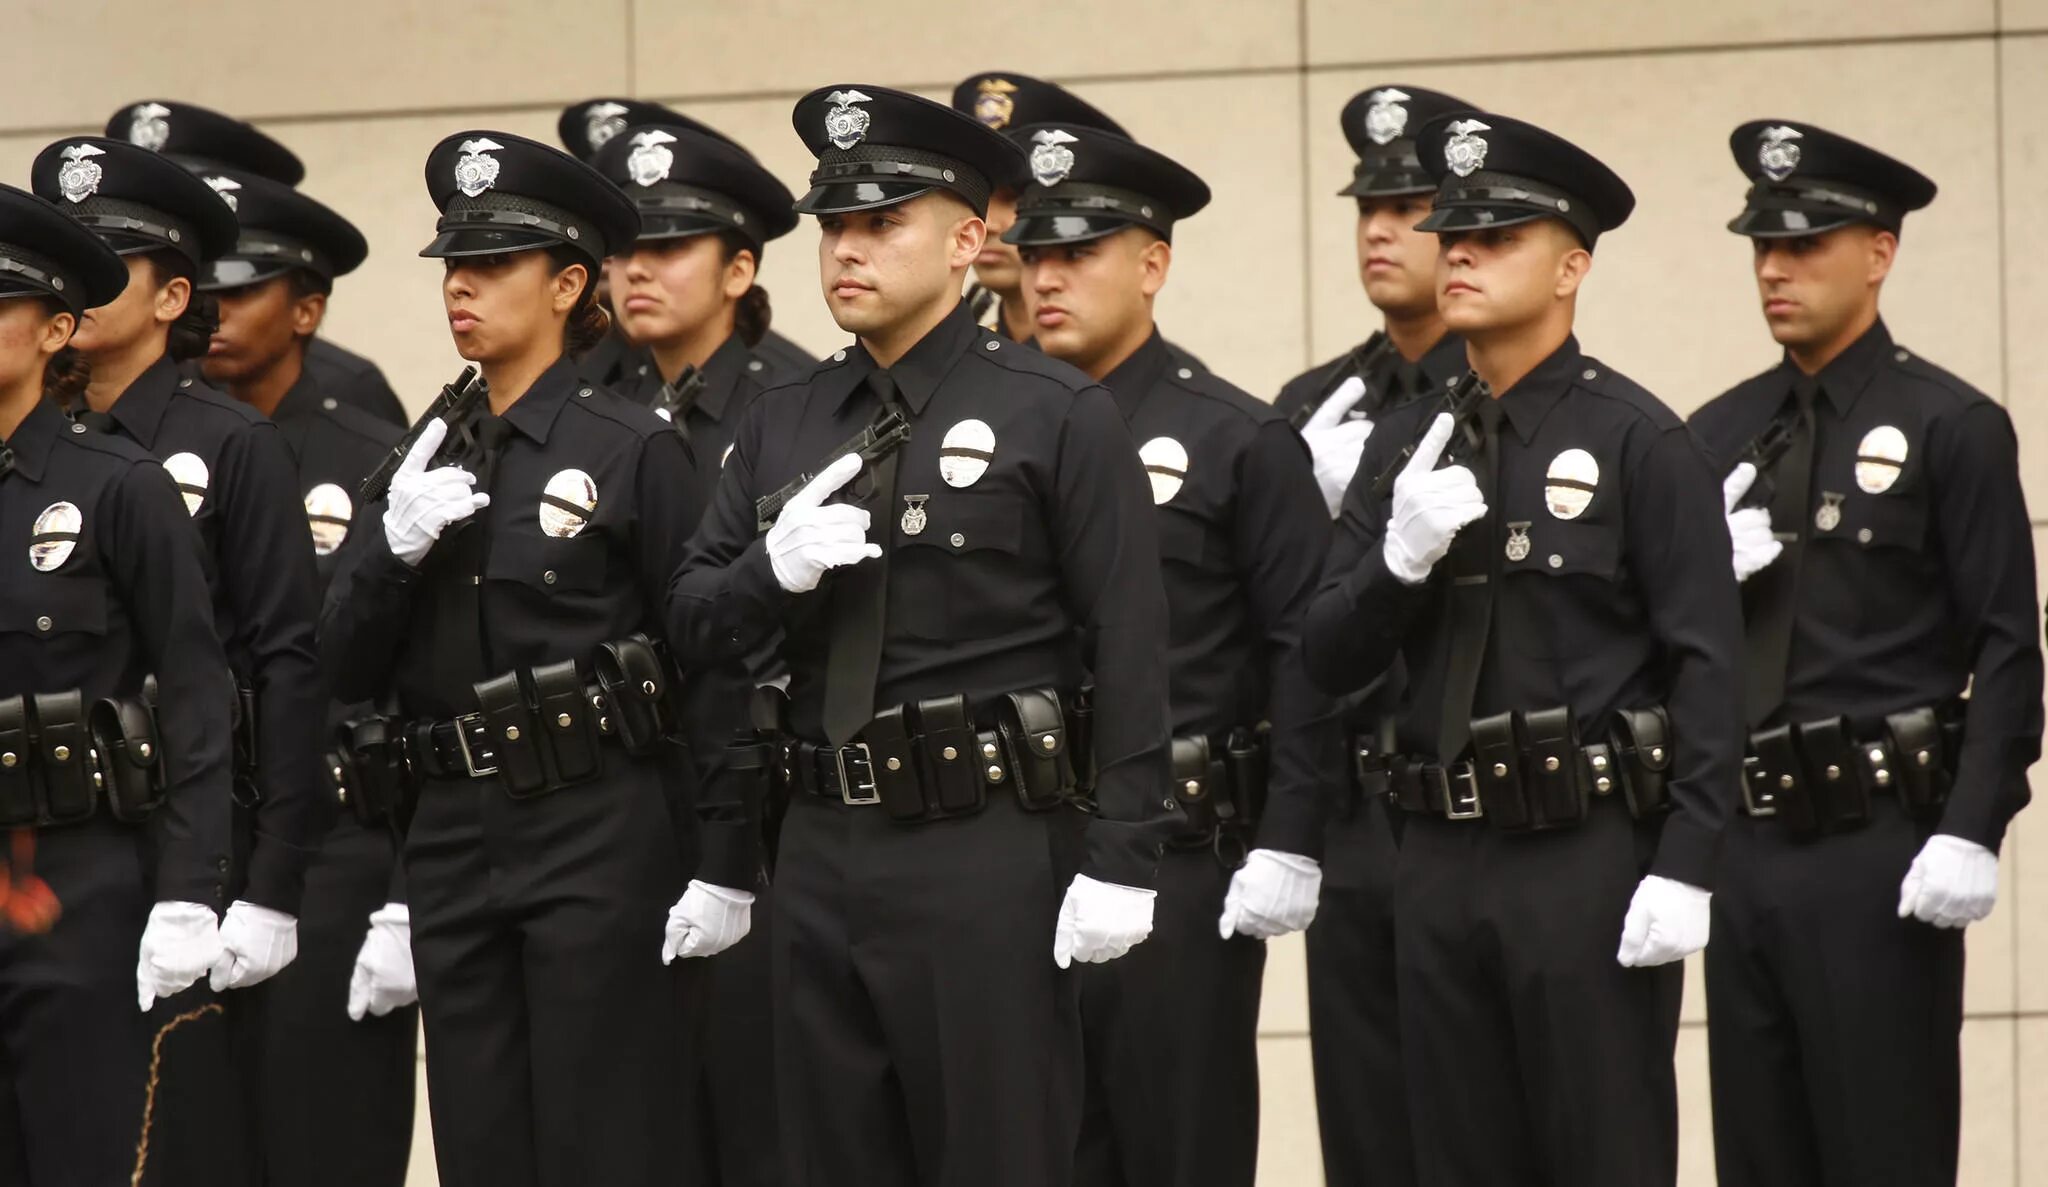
[60,760]
[1820,776]
[1220,782]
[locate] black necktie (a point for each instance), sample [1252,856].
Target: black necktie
[1474,574]
[1773,592]
[459,623]
[860,603]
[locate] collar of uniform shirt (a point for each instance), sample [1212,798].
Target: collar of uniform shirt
[721,375]
[533,414]
[1529,401]
[1849,372]
[301,399]
[140,410]
[1135,377]
[918,373]
[33,437]
[1443,363]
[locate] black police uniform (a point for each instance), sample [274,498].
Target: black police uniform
[1354,1020]
[103,583]
[1597,584]
[538,885]
[687,183]
[1172,1027]
[1907,577]
[207,140]
[923,1032]
[332,1098]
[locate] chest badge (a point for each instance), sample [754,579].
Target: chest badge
[568,504]
[328,512]
[966,452]
[1829,517]
[1518,542]
[1166,467]
[191,476]
[914,518]
[55,536]
[1880,459]
[1570,483]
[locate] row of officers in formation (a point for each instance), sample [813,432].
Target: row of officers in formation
[977,700]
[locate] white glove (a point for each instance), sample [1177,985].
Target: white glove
[1952,883]
[383,978]
[180,943]
[1272,894]
[706,921]
[422,502]
[1100,921]
[1666,921]
[1336,443]
[1749,528]
[810,537]
[1430,506]
[256,943]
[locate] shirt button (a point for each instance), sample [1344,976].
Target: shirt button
[1863,536]
[330,403]
[548,576]
[1184,373]
[43,623]
[958,541]
[184,383]
[838,356]
[584,393]
[993,345]
[754,366]
[76,427]
[1589,373]
[1556,561]
[1902,356]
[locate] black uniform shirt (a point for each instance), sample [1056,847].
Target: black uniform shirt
[1032,572]
[238,482]
[734,376]
[354,380]
[1630,603]
[1242,534]
[336,445]
[128,598]
[1923,585]
[1391,383]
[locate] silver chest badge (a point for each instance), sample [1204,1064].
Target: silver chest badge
[601,122]
[1518,541]
[1776,153]
[191,476]
[226,187]
[55,536]
[149,126]
[966,452]
[914,518]
[475,172]
[1052,160]
[1570,483]
[1385,118]
[1880,459]
[1464,152]
[328,513]
[79,177]
[650,159]
[1829,517]
[1166,467]
[846,125]
[568,504]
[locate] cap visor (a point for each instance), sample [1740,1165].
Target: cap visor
[1785,224]
[845,197]
[1478,218]
[221,275]
[679,226]
[1050,230]
[470,241]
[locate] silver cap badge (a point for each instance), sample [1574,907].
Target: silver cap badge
[1385,118]
[649,161]
[226,187]
[1776,152]
[846,125]
[149,126]
[1052,160]
[1464,152]
[475,172]
[601,122]
[79,177]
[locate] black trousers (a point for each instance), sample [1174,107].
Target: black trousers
[734,1138]
[1835,1025]
[923,1035]
[1353,1008]
[1532,1058]
[554,1034]
[1173,1045]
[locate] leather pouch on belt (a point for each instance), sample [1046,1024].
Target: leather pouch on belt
[1840,799]
[64,754]
[1919,742]
[1036,736]
[947,736]
[130,758]
[1497,766]
[17,789]
[563,707]
[1550,768]
[1193,785]
[509,732]
[887,738]
[1642,739]
[634,683]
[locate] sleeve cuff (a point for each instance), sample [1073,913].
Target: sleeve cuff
[1687,852]
[1123,853]
[185,875]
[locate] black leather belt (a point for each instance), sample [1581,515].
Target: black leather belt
[1821,776]
[1530,771]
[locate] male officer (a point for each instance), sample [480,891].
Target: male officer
[1355,1026]
[200,138]
[923,1036]
[1003,101]
[1560,599]
[1172,1028]
[1900,573]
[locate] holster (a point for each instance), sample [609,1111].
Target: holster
[368,771]
[1197,784]
[1035,734]
[17,785]
[634,680]
[1919,740]
[1247,761]
[64,756]
[131,759]
[1642,748]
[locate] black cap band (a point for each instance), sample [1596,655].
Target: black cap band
[1399,171]
[116,220]
[1080,198]
[672,211]
[1830,203]
[888,164]
[1503,191]
[494,211]
[20,266]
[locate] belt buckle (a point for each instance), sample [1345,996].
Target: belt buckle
[1751,767]
[463,725]
[864,760]
[1455,808]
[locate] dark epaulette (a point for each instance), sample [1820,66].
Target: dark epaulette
[1600,379]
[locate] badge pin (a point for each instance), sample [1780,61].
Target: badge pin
[650,160]
[191,476]
[226,187]
[1385,118]
[914,519]
[1776,153]
[328,513]
[995,103]
[567,504]
[1880,459]
[55,536]
[1570,484]
[1052,160]
[1829,517]
[79,177]
[149,126]
[1166,467]
[847,125]
[475,172]
[1464,152]
[1518,542]
[965,453]
[601,122]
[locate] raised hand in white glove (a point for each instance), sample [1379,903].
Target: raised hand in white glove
[706,921]
[1336,442]
[1272,894]
[1430,506]
[180,943]
[1100,921]
[256,943]
[1952,883]
[811,536]
[383,977]
[1749,528]
[422,502]
[1666,921]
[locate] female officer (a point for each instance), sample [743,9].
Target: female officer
[101,583]
[542,851]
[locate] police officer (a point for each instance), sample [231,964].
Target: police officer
[1354,1022]
[335,1095]
[1172,1028]
[103,583]
[686,296]
[1560,598]
[1003,101]
[511,603]
[585,129]
[922,1034]
[197,137]
[1887,565]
